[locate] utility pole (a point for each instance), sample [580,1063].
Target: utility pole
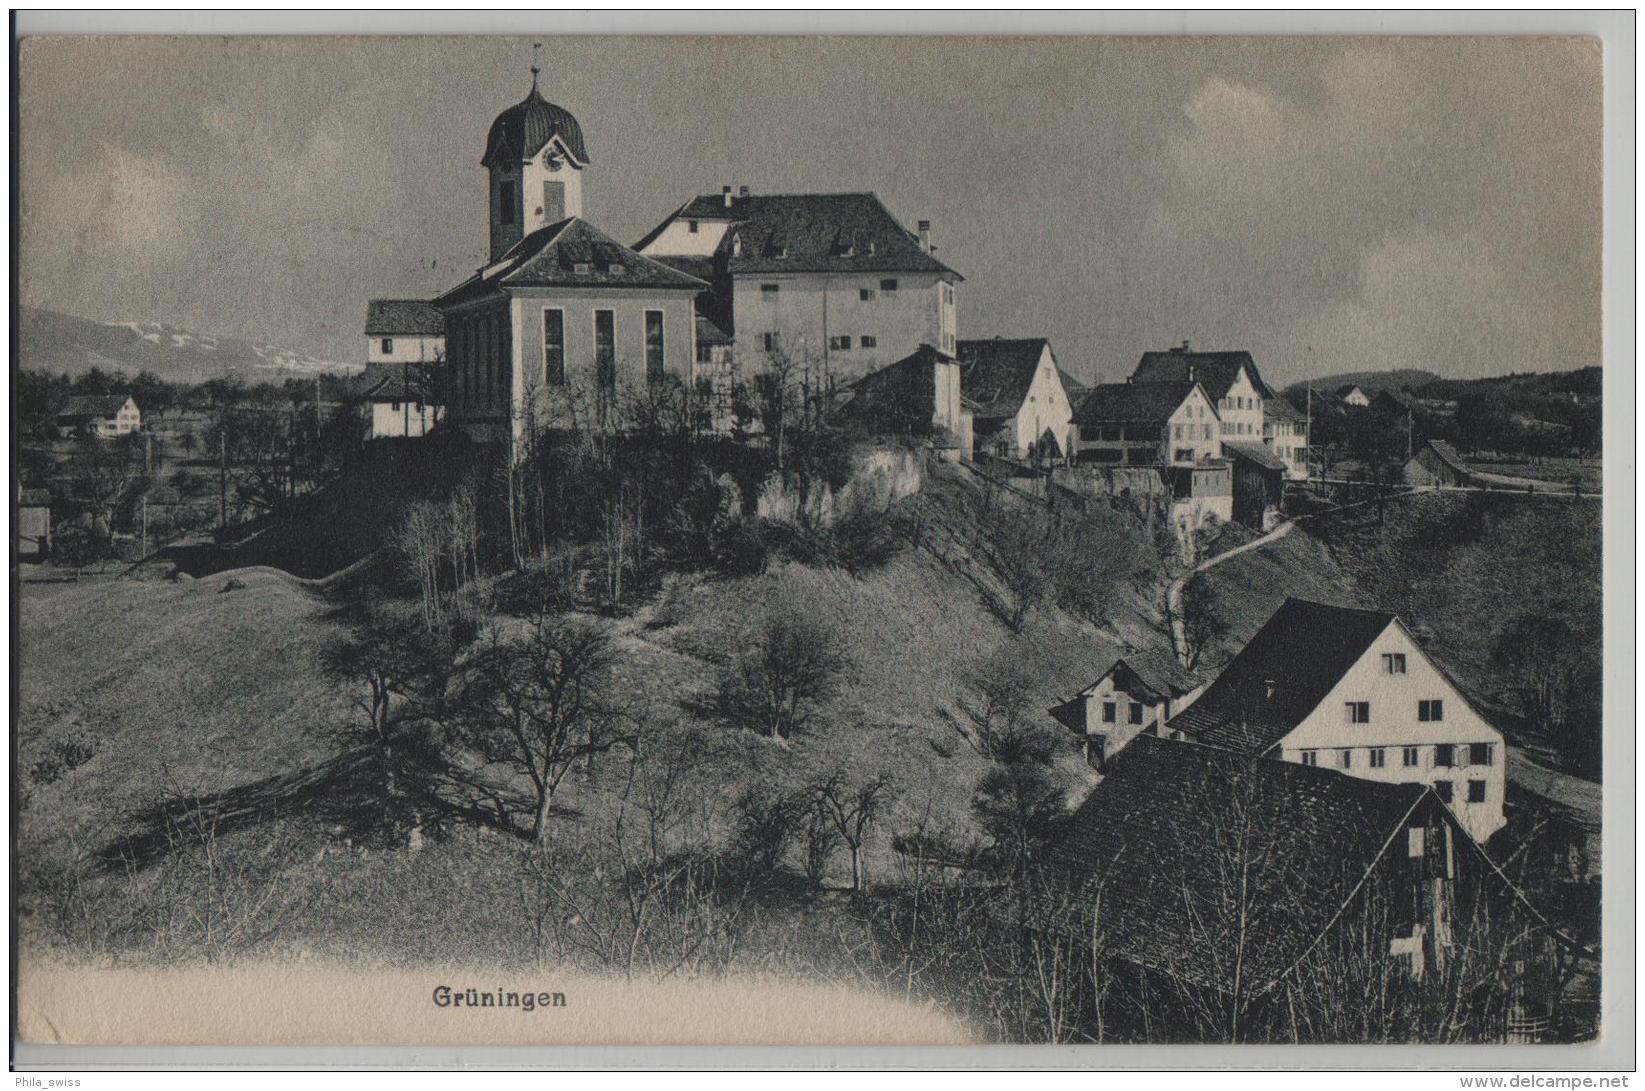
[222,475]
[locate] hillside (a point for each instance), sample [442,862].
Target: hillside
[50,341]
[1369,381]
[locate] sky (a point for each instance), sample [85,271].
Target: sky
[1330,205]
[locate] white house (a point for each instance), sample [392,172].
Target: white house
[1285,431]
[1353,395]
[404,331]
[1351,690]
[399,403]
[1230,378]
[1136,696]
[831,280]
[1147,424]
[1021,403]
[102,415]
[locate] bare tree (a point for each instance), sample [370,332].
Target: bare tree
[538,705]
[851,808]
[1201,621]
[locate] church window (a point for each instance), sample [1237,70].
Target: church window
[554,347]
[505,202]
[388,345]
[653,345]
[605,347]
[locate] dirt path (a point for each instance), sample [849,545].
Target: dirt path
[1173,595]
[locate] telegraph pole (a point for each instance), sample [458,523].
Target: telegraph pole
[222,475]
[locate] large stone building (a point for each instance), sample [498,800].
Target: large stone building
[828,281]
[562,311]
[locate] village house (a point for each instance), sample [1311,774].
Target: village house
[1223,889]
[33,522]
[1436,463]
[829,282]
[1147,424]
[399,400]
[1259,482]
[1351,690]
[102,415]
[1352,396]
[1136,696]
[561,308]
[404,331]
[917,397]
[1285,431]
[1231,379]
[1020,402]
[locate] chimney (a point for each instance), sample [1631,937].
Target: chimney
[725,195]
[925,235]
[742,191]
[1185,346]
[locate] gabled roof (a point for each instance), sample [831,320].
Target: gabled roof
[1253,451]
[1281,409]
[1135,673]
[710,334]
[1172,830]
[810,232]
[390,383]
[406,317]
[1347,389]
[1133,403]
[997,372]
[93,405]
[1448,455]
[1215,371]
[1281,676]
[570,254]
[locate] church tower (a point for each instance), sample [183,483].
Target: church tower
[534,160]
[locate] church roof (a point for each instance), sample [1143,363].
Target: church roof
[524,129]
[570,254]
[809,233]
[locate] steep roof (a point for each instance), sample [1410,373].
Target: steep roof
[93,405]
[1253,451]
[390,383]
[570,254]
[408,317]
[1347,389]
[1172,829]
[1281,676]
[997,372]
[1281,409]
[1448,455]
[1215,371]
[1132,402]
[524,129]
[810,232]
[1133,673]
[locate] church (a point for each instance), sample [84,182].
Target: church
[561,311]
[562,314]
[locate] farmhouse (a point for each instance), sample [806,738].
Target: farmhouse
[1147,424]
[1351,395]
[1022,408]
[1224,887]
[102,415]
[829,280]
[918,397]
[1437,463]
[1351,690]
[1230,379]
[1136,696]
[400,400]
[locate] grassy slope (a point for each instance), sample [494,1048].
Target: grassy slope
[188,686]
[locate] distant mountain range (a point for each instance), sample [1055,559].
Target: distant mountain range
[51,341]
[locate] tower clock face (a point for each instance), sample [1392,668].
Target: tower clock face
[552,160]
